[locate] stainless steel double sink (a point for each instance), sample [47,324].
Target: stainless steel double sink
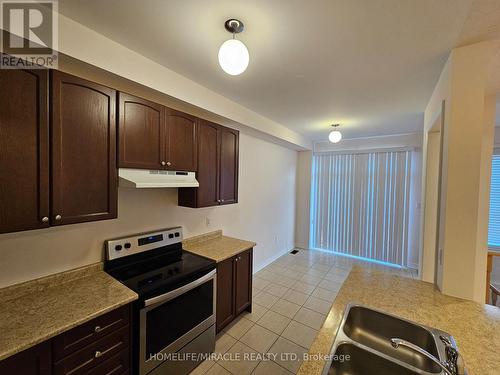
[363,345]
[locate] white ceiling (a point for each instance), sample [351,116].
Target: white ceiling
[369,64]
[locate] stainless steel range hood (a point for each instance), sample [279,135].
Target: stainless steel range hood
[143,178]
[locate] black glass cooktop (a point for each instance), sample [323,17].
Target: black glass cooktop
[159,271]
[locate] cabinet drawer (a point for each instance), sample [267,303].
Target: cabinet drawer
[89,332]
[88,358]
[117,365]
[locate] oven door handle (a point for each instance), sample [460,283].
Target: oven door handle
[183,289]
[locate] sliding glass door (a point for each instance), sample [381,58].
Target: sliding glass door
[360,204]
[494,223]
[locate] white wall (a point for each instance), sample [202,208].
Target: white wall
[466,158]
[303,201]
[369,143]
[264,214]
[80,42]
[429,222]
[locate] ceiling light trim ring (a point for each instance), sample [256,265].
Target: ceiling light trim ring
[234,26]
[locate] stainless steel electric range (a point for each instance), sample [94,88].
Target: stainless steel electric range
[174,318]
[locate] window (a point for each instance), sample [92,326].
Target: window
[360,204]
[494,223]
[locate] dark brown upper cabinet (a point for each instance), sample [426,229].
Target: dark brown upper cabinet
[155,137]
[228,185]
[140,131]
[24,150]
[180,135]
[217,168]
[83,150]
[208,171]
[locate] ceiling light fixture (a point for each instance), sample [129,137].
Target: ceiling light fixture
[233,54]
[335,135]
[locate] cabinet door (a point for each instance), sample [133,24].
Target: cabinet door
[243,281]
[208,171]
[225,293]
[33,361]
[228,185]
[180,141]
[24,153]
[141,133]
[84,174]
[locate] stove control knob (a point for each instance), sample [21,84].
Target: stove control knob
[170,272]
[118,247]
[170,235]
[177,234]
[176,269]
[127,245]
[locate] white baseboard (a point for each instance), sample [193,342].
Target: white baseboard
[272,259]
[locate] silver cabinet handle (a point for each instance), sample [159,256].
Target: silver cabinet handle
[45,219]
[163,163]
[218,200]
[97,354]
[169,164]
[97,329]
[222,200]
[58,217]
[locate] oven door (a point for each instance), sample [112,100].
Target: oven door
[171,320]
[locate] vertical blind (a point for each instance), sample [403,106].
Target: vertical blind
[494,223]
[360,204]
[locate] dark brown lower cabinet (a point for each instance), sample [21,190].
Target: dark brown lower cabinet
[243,281]
[33,361]
[225,293]
[100,346]
[234,287]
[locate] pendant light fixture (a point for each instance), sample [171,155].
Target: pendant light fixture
[335,135]
[233,54]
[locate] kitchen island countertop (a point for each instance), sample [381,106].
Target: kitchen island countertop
[475,326]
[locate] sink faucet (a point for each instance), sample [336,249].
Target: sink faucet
[452,366]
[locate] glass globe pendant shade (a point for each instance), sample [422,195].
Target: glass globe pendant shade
[335,136]
[233,57]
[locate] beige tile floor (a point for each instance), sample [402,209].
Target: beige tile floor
[291,298]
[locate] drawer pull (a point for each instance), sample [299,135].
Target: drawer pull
[97,329]
[98,353]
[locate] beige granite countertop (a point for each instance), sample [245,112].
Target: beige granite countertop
[38,310]
[475,327]
[215,246]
